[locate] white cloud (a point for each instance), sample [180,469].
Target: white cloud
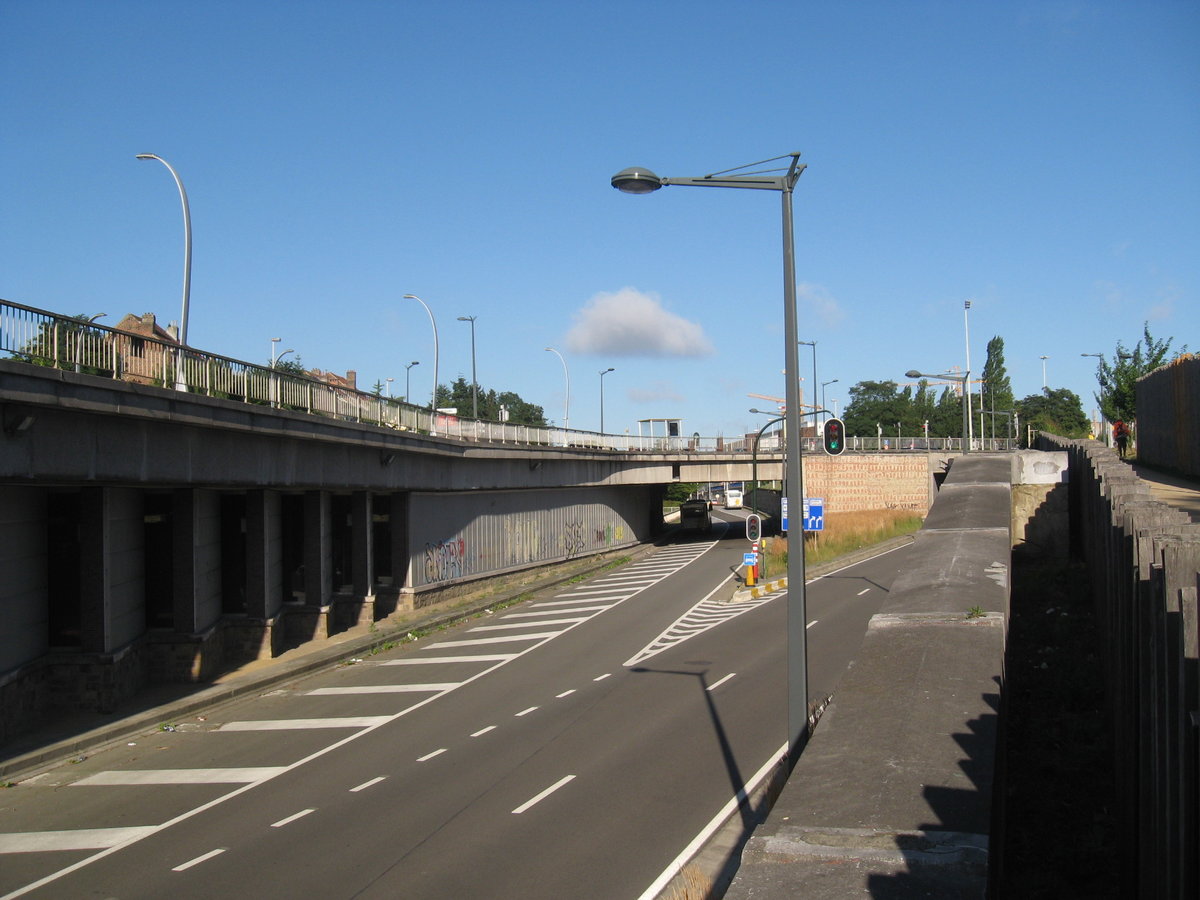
[820,302]
[631,323]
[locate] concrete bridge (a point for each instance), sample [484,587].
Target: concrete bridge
[152,534]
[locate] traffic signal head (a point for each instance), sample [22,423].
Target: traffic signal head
[833,436]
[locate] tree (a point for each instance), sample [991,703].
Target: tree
[875,403]
[1118,381]
[518,411]
[1057,411]
[996,391]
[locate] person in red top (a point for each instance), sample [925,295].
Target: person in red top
[1121,436]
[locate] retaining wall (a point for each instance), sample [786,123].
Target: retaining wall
[1168,421]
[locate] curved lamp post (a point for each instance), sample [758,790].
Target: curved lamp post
[474,383]
[567,402]
[433,396]
[602,374]
[642,181]
[964,380]
[408,380]
[187,246]
[825,384]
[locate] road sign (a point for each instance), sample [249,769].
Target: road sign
[749,559]
[783,514]
[753,528]
[814,513]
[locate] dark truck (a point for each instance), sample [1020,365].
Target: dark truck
[693,516]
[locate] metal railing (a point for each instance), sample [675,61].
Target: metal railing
[44,338]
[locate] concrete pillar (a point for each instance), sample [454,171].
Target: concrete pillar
[185,524]
[95,599]
[398,534]
[318,549]
[264,570]
[362,551]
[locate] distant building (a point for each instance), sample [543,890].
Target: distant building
[140,360]
[350,381]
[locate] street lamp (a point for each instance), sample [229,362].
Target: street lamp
[474,383]
[408,380]
[642,181]
[567,401]
[433,396]
[825,384]
[389,388]
[964,380]
[1044,358]
[602,374]
[813,344]
[187,246]
[967,384]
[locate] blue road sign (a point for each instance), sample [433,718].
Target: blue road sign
[814,513]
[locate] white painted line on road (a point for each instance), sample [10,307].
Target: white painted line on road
[182,776]
[367,784]
[811,624]
[560,612]
[79,839]
[564,694]
[428,660]
[297,724]
[484,730]
[429,756]
[384,689]
[501,640]
[543,795]
[292,818]
[863,591]
[602,677]
[660,883]
[539,624]
[524,712]
[199,859]
[717,684]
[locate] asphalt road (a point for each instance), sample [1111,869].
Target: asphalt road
[570,746]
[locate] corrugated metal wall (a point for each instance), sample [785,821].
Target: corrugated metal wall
[1168,416]
[462,536]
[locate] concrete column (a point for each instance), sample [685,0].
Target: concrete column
[318,549]
[362,550]
[95,597]
[184,533]
[264,584]
[401,577]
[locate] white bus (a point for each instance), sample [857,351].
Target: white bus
[733,499]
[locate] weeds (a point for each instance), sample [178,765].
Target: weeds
[844,533]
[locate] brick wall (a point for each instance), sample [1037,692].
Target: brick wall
[857,481]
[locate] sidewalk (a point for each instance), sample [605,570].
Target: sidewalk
[1173,490]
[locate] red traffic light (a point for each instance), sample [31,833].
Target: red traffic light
[833,436]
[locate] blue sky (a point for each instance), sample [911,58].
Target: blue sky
[1037,158]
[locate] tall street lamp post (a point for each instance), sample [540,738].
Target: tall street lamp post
[567,401]
[602,374]
[389,388]
[813,344]
[180,384]
[967,384]
[825,384]
[432,396]
[642,181]
[408,380]
[474,383]
[1044,358]
[965,380]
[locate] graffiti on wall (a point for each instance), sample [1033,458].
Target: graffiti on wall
[522,540]
[610,534]
[445,560]
[573,539]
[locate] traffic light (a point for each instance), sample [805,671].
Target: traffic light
[833,436]
[753,528]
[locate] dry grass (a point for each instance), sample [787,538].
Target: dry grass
[844,533]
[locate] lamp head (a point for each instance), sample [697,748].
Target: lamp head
[636,180]
[146,156]
[912,373]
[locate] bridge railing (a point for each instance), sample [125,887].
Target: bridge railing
[45,338]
